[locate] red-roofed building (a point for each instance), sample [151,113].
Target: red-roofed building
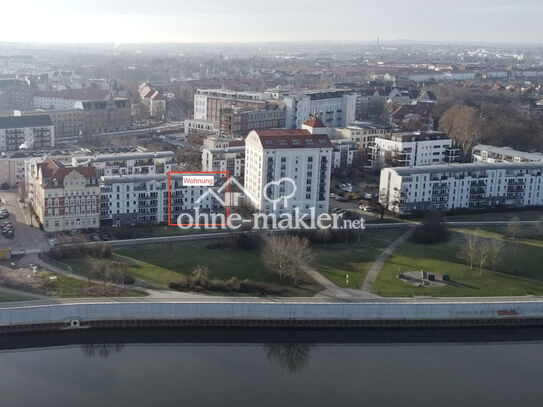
[65,198]
[303,161]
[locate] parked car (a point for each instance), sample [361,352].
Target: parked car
[333,195]
[10,234]
[105,236]
[340,199]
[368,196]
[364,207]
[95,237]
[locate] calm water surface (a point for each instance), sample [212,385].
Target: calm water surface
[243,369]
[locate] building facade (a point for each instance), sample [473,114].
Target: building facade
[239,121]
[131,163]
[461,186]
[412,149]
[230,158]
[208,103]
[143,199]
[303,158]
[493,154]
[65,198]
[336,108]
[104,116]
[31,132]
[68,123]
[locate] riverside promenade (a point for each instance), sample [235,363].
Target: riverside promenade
[255,312]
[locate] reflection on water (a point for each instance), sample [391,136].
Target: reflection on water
[269,368]
[293,357]
[101,350]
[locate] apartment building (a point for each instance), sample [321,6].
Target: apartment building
[65,198]
[68,123]
[229,157]
[412,149]
[362,133]
[66,99]
[303,158]
[13,165]
[336,108]
[239,121]
[461,186]
[130,163]
[493,154]
[101,116]
[26,132]
[143,199]
[343,154]
[208,103]
[153,99]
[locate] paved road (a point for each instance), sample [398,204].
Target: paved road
[26,237]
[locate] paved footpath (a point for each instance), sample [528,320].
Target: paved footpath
[381,259]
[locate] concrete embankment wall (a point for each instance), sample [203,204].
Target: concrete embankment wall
[268,314]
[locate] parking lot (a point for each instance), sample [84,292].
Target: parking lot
[25,237]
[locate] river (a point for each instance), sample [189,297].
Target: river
[272,368]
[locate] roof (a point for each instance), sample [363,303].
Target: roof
[508,151]
[428,169]
[36,120]
[283,139]
[314,122]
[54,171]
[116,179]
[125,156]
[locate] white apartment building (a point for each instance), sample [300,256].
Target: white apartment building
[336,108]
[132,163]
[461,186]
[200,126]
[303,158]
[13,166]
[493,154]
[412,149]
[229,158]
[132,199]
[343,153]
[33,132]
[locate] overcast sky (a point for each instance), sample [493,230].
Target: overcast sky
[270,20]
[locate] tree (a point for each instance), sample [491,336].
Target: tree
[482,255]
[513,227]
[463,125]
[294,357]
[432,229]
[286,255]
[495,252]
[537,227]
[470,247]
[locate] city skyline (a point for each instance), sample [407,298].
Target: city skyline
[61,21]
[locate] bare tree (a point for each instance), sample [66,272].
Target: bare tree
[495,252]
[483,255]
[537,227]
[463,125]
[286,255]
[513,227]
[470,247]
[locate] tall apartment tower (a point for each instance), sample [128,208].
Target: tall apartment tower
[291,164]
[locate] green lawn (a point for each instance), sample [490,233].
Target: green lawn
[518,273]
[161,264]
[534,214]
[335,260]
[4,297]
